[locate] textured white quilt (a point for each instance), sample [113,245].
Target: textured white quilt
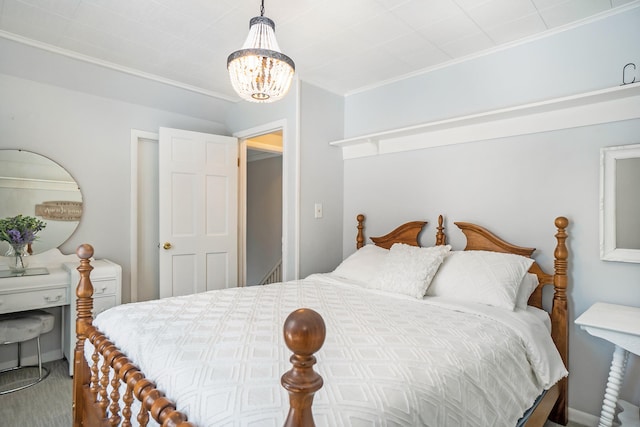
[388,360]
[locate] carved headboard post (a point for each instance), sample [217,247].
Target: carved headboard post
[441,238]
[559,327]
[360,236]
[84,291]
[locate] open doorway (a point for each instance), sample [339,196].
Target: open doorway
[261,247]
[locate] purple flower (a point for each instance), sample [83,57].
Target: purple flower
[28,236]
[15,236]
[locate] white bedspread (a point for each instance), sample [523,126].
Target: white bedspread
[387,360]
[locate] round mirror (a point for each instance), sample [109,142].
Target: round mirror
[33,185]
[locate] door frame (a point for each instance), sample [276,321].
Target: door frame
[243,145]
[289,254]
[136,137]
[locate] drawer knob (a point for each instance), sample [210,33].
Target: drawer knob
[53,299]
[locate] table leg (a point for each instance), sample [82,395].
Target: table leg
[616,375]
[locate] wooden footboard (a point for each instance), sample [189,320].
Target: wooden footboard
[94,405]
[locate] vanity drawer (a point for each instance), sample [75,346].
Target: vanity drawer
[32,299]
[104,287]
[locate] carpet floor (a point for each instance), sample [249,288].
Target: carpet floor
[46,404]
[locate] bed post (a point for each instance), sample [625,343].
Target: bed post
[360,236]
[559,317]
[84,292]
[441,238]
[304,333]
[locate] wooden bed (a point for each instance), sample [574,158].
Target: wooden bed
[96,396]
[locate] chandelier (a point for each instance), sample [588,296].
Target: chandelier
[259,72]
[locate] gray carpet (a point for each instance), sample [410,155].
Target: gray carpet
[46,404]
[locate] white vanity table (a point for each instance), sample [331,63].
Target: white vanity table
[58,289]
[619,325]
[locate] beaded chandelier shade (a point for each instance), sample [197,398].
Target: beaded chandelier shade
[259,71]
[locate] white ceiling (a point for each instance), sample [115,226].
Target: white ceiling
[340,45]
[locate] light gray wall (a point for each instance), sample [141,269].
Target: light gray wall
[321,165]
[514,186]
[264,217]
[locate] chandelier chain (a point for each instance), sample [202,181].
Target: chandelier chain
[262,8]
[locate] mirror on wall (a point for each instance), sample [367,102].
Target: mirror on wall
[31,184]
[620,203]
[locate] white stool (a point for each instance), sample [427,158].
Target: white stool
[21,327]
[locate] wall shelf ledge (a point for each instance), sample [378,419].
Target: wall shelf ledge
[591,108]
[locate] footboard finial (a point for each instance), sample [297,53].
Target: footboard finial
[304,334]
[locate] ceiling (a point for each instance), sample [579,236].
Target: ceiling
[341,45]
[264,146]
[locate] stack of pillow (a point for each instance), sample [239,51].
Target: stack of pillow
[484,277]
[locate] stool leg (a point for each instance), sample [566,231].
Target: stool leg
[39,358]
[19,354]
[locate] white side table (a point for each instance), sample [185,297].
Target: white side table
[620,325]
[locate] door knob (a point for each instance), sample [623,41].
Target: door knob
[167,245]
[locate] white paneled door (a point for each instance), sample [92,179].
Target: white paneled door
[198,218]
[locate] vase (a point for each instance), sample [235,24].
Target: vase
[18,258]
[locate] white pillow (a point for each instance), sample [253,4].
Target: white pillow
[528,284]
[483,277]
[363,265]
[409,269]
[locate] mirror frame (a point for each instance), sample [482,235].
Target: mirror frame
[609,250]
